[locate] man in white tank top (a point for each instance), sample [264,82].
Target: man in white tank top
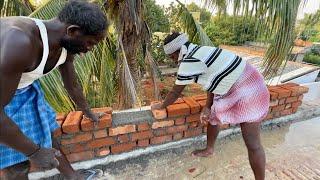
[31,48]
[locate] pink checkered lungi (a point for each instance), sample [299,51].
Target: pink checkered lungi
[247,100]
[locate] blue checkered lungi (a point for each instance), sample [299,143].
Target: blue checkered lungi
[35,118]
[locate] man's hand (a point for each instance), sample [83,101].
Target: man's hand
[156,106]
[45,158]
[204,116]
[93,116]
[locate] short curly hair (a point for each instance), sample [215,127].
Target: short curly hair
[88,16]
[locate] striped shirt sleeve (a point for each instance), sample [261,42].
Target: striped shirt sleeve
[189,71]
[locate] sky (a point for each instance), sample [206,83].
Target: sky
[311,6]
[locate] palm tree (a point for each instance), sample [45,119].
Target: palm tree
[275,21]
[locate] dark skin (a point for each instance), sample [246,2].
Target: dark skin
[23,36]
[250,131]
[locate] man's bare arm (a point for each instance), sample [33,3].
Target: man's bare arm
[74,89]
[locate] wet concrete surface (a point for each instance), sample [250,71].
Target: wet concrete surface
[292,152]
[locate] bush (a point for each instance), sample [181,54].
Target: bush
[230,30]
[312,58]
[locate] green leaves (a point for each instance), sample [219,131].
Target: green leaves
[274,20]
[14,8]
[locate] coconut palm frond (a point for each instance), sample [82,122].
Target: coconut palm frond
[275,21]
[49,9]
[195,32]
[283,27]
[14,8]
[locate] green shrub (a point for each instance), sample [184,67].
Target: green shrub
[230,30]
[312,58]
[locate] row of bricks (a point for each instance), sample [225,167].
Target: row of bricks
[133,132]
[286,90]
[74,121]
[126,146]
[128,132]
[281,94]
[163,132]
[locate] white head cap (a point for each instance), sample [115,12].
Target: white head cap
[175,44]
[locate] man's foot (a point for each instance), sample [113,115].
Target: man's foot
[203,152]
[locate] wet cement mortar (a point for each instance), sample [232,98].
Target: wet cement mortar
[288,147]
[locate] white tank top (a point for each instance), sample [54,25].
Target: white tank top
[29,77]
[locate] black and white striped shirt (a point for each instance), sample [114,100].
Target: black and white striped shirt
[215,69]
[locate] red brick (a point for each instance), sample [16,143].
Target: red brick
[72,122]
[119,148]
[201,124]
[179,121]
[178,136]
[160,139]
[161,124]
[290,84]
[176,129]
[77,138]
[276,114]
[82,156]
[286,112]
[224,126]
[178,110]
[160,132]
[107,110]
[298,90]
[101,142]
[300,98]
[141,135]
[274,103]
[269,116]
[103,152]
[122,130]
[291,99]
[282,101]
[100,133]
[123,138]
[179,101]
[159,114]
[192,132]
[75,148]
[288,106]
[202,103]
[200,97]
[143,126]
[104,121]
[193,124]
[193,118]
[278,108]
[294,109]
[194,106]
[282,93]
[143,143]
[61,116]
[296,104]
[273,95]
